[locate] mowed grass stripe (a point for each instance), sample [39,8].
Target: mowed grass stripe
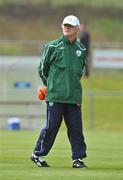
[105,157]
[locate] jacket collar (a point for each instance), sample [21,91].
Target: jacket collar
[66,40]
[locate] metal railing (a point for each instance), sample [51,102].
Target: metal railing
[28,113]
[31,113]
[92,94]
[41,114]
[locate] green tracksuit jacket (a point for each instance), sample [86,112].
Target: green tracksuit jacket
[61,69]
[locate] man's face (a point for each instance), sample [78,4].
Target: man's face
[69,30]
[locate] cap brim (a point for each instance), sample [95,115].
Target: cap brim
[69,24]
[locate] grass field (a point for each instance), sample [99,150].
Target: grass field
[107,110]
[105,157]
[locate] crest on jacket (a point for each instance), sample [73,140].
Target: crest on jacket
[78,53]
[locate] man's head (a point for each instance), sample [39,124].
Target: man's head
[70,26]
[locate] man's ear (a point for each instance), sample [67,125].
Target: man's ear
[78,29]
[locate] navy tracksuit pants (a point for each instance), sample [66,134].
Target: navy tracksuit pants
[73,120]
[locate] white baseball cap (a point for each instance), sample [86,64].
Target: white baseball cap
[72,20]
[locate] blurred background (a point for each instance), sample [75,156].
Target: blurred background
[26,25]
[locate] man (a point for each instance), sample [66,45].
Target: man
[85,40]
[61,68]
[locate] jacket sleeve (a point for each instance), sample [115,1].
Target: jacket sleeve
[43,68]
